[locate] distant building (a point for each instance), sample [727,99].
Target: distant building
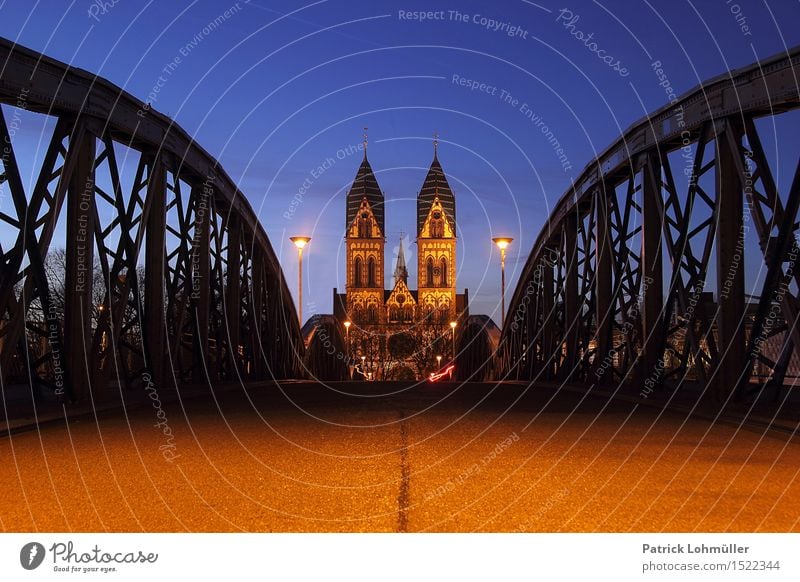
[398,332]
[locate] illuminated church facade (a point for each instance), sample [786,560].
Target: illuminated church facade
[396,332]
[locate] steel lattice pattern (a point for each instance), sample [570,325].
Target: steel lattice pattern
[192,287]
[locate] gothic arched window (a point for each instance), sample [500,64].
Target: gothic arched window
[443,272]
[371,272]
[357,272]
[429,272]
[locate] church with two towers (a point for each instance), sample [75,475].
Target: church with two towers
[396,332]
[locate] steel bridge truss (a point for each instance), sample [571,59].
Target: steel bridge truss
[191,291]
[638,276]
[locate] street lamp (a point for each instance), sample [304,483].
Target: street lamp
[438,362]
[453,325]
[502,243]
[300,242]
[347,325]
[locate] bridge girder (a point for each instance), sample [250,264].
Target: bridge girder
[595,303]
[191,289]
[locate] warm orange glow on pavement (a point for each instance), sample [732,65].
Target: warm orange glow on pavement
[466,468]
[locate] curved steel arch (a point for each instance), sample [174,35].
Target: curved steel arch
[616,287]
[192,289]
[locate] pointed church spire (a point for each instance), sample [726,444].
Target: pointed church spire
[435,187]
[400,270]
[365,186]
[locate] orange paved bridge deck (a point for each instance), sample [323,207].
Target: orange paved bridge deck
[302,457]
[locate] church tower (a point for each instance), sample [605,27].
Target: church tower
[436,242]
[365,242]
[398,332]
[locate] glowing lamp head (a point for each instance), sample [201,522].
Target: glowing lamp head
[347,324]
[453,324]
[300,241]
[502,242]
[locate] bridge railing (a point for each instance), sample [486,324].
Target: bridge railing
[167,278]
[640,276]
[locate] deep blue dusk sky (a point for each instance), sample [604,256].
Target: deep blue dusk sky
[278,88]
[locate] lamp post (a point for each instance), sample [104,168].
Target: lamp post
[453,325]
[347,325]
[438,362]
[300,242]
[502,243]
